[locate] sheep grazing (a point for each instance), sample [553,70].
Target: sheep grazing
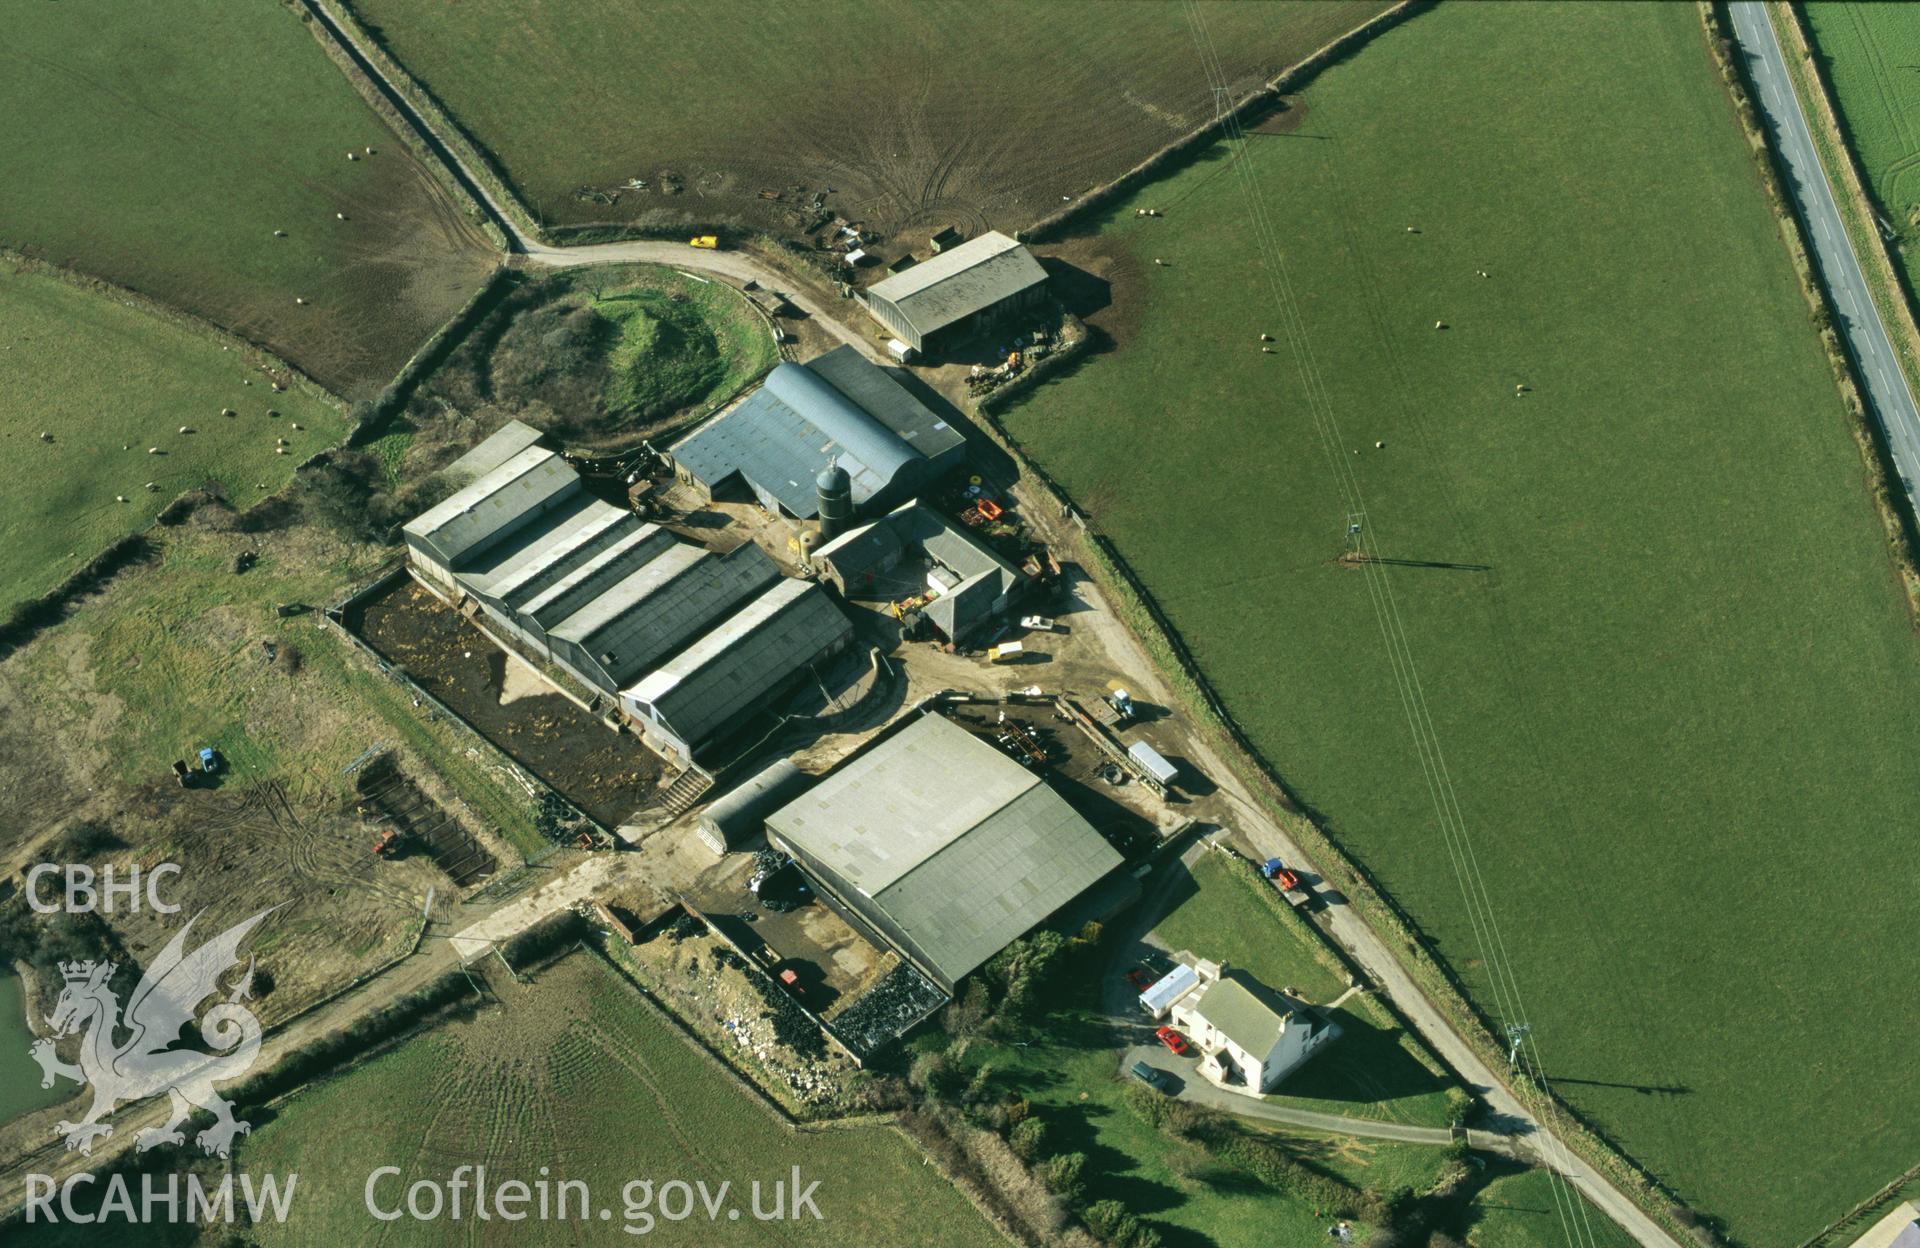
[1266,337]
[1158,260]
[1439,324]
[1266,350]
[1379,446]
[1413,229]
[339,216]
[298,425]
[186,428]
[369,151]
[279,450]
[119,498]
[45,436]
[154,450]
[279,233]
[273,411]
[302,302]
[227,411]
[353,156]
[279,441]
[152,486]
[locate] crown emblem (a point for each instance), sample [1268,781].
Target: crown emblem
[78,972]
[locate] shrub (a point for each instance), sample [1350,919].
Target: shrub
[1065,1176]
[1028,1140]
[934,1074]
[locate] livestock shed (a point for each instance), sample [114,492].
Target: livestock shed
[913,550]
[740,815]
[839,409]
[567,579]
[943,844]
[953,295]
[686,703]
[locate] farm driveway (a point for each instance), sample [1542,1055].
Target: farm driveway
[1201,1091]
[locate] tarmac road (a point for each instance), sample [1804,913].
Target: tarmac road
[1874,361]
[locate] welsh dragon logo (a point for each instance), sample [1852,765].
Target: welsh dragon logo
[147,1063]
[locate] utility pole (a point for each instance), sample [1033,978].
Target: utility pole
[1516,1032]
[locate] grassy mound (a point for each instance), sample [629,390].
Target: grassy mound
[665,357]
[601,356]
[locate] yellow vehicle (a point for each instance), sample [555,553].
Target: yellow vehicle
[706,241]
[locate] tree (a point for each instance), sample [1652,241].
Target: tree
[1028,1140]
[1065,1176]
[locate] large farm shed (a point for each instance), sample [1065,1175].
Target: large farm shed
[838,409]
[946,846]
[913,550]
[947,298]
[566,578]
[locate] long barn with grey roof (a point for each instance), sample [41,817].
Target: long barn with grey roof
[840,408]
[943,844]
[563,577]
[947,298]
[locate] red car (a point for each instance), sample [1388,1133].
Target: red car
[1139,978]
[1175,1042]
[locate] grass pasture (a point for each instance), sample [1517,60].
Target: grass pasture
[917,115]
[1656,627]
[1869,51]
[102,374]
[573,1078]
[161,147]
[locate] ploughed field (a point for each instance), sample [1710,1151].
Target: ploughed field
[905,114]
[1656,634]
[160,147]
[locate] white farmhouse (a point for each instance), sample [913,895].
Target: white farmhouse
[1249,1037]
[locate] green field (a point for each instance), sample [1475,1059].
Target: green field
[109,380]
[1869,51]
[914,113]
[1525,1211]
[1654,619]
[161,146]
[1375,1069]
[574,1078]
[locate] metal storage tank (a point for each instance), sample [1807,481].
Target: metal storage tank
[836,500]
[738,817]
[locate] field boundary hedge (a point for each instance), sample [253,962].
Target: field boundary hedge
[372,421]
[370,91]
[1246,112]
[478,163]
[1896,519]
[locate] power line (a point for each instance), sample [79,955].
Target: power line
[1475,893]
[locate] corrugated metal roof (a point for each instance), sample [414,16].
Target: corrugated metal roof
[959,282]
[779,438]
[499,446]
[633,549]
[533,558]
[494,503]
[889,810]
[877,393]
[987,888]
[732,667]
[962,847]
[662,606]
